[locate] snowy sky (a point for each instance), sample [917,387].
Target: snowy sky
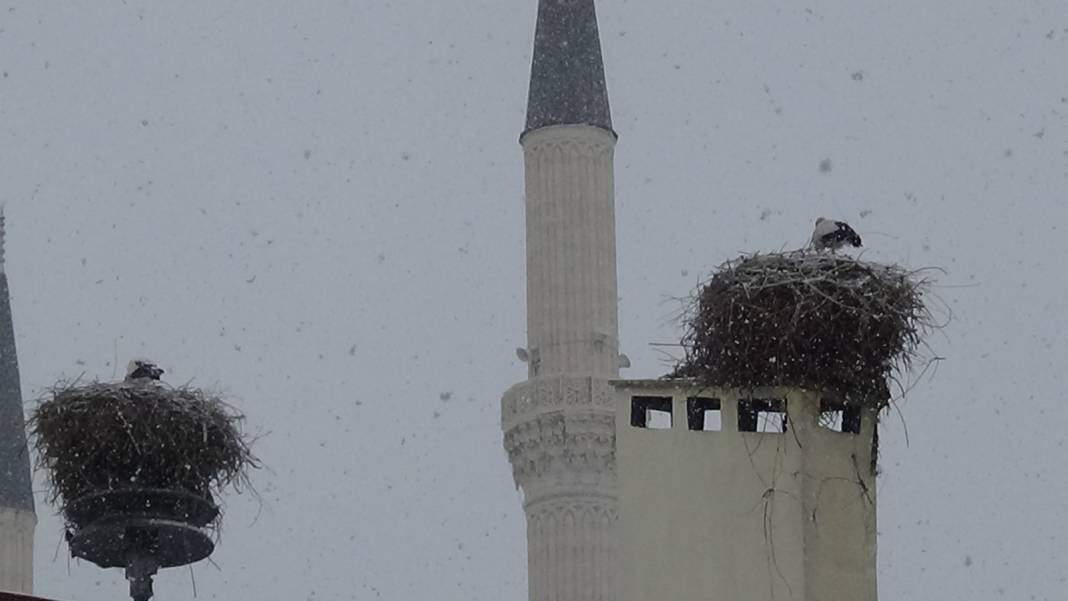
[316,208]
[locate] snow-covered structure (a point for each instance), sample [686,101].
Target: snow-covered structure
[628,492]
[17,517]
[559,424]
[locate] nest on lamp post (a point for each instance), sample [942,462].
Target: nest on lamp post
[816,320]
[135,467]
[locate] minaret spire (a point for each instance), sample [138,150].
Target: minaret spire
[17,517]
[569,146]
[567,85]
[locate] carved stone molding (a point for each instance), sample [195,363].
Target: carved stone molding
[559,433]
[555,453]
[574,141]
[527,400]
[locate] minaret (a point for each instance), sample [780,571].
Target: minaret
[17,517]
[559,424]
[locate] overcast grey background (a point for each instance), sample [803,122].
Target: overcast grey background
[316,208]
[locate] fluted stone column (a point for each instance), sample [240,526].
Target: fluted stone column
[16,550]
[559,426]
[572,314]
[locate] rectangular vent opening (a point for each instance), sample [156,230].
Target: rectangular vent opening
[703,414]
[762,415]
[839,417]
[653,412]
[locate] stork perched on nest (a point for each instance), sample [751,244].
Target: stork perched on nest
[142,369]
[833,235]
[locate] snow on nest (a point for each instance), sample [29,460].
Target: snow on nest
[817,320]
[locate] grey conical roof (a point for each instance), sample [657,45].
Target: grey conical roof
[567,73]
[15,487]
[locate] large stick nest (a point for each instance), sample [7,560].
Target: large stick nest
[141,434]
[810,319]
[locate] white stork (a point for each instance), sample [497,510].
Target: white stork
[142,369]
[833,235]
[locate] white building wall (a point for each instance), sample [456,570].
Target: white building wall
[745,516]
[16,550]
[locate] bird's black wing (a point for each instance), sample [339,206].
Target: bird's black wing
[844,233]
[146,372]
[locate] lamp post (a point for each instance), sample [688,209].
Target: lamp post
[141,530]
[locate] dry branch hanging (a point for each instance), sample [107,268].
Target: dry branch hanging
[138,435]
[811,319]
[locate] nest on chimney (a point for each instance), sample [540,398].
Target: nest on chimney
[138,435]
[815,320]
